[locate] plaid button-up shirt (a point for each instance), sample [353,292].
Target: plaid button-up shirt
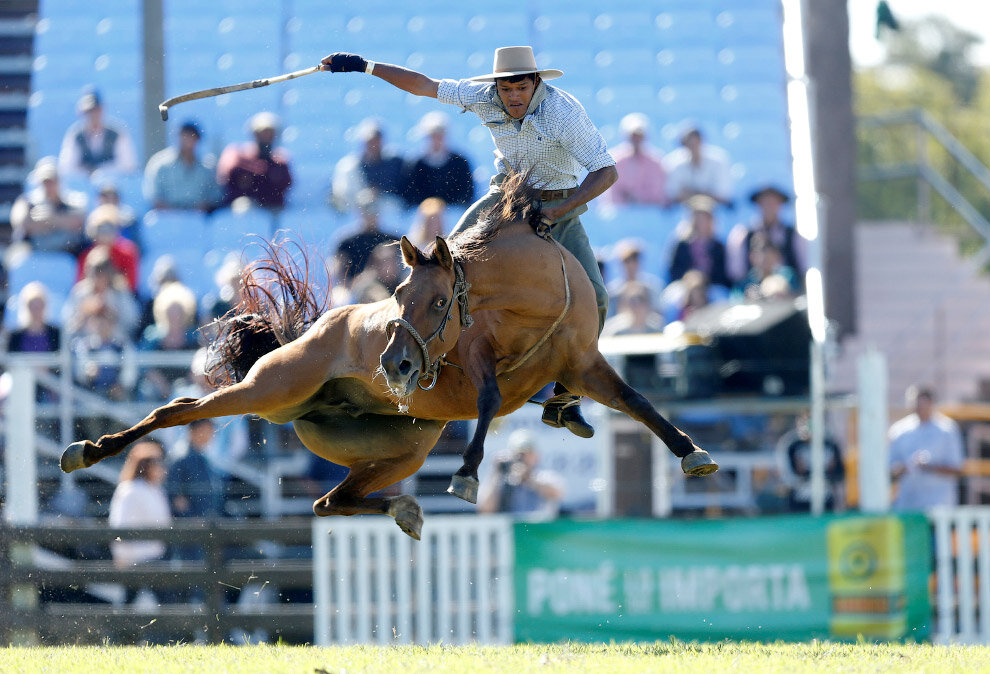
[556,139]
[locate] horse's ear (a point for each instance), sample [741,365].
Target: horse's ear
[443,255]
[411,255]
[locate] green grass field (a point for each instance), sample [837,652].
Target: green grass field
[817,657]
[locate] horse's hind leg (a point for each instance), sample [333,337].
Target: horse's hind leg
[248,396]
[601,383]
[350,496]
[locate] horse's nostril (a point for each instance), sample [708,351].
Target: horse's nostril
[405,366]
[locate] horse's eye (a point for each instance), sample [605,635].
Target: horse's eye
[440,303]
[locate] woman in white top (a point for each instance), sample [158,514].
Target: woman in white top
[140,501]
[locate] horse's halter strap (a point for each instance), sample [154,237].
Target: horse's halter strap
[459,295]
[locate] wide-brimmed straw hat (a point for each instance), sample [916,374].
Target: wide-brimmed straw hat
[512,61]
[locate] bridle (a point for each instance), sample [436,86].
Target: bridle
[458,296]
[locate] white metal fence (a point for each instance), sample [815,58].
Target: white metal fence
[374,584]
[962,573]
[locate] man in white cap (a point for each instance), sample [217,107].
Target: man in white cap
[698,167]
[536,128]
[642,178]
[257,170]
[95,142]
[439,172]
[47,216]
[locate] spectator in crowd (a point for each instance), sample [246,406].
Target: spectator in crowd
[642,178]
[94,142]
[428,223]
[518,486]
[34,334]
[107,193]
[178,178]
[683,297]
[139,500]
[103,230]
[380,277]
[103,360]
[438,172]
[227,292]
[193,486]
[926,455]
[48,217]
[629,253]
[794,457]
[768,276]
[697,247]
[102,281]
[374,167]
[355,249]
[769,200]
[256,169]
[636,313]
[174,329]
[698,168]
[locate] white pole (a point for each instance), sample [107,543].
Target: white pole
[19,454]
[660,461]
[817,427]
[874,471]
[807,209]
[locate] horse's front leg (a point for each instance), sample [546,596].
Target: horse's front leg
[464,483]
[84,453]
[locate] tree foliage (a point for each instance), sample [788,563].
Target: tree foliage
[928,67]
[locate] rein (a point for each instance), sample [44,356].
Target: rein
[458,295]
[543,231]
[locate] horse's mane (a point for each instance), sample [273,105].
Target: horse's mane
[278,304]
[518,200]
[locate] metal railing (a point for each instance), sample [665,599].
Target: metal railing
[53,372]
[928,177]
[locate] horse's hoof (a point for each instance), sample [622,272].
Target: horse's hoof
[698,463]
[73,458]
[464,488]
[408,515]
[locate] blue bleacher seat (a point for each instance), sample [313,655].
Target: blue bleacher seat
[499,27]
[251,32]
[747,139]
[700,101]
[751,63]
[622,65]
[161,229]
[685,28]
[228,230]
[749,99]
[685,65]
[615,27]
[562,29]
[314,226]
[749,26]
[190,265]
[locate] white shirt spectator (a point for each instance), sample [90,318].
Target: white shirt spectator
[710,176]
[918,447]
[138,503]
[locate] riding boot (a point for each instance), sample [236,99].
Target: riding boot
[564,409]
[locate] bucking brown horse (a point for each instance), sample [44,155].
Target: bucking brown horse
[482,323]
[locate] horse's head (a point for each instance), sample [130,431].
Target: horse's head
[432,308]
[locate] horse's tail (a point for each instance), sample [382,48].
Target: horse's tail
[278,304]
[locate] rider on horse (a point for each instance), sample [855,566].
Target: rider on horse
[537,129]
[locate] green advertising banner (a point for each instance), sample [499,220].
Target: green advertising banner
[789,578]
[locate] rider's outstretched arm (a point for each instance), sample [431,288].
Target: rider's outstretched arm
[403,78]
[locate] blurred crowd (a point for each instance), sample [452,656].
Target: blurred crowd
[110,314]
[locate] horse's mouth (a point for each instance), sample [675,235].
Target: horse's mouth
[403,387]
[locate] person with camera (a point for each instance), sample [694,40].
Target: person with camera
[518,485]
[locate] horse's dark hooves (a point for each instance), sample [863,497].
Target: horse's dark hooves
[408,515]
[464,488]
[73,458]
[698,463]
